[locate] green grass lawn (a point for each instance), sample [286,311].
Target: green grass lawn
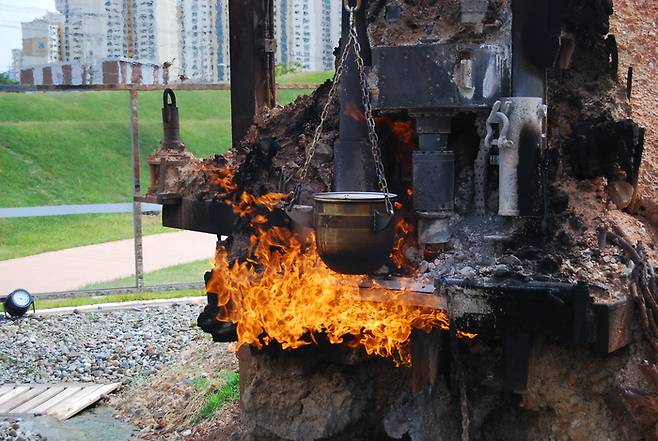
[74,148]
[305,77]
[184,273]
[67,148]
[33,235]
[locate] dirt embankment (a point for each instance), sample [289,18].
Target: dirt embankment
[635,25]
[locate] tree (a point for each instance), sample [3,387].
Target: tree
[5,80]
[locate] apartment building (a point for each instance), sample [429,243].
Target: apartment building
[307,32]
[152,32]
[42,40]
[16,64]
[197,21]
[223,47]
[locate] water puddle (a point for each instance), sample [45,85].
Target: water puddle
[95,424]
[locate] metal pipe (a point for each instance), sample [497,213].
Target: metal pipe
[434,178]
[519,177]
[353,163]
[137,205]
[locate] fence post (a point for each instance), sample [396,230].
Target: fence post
[137,205]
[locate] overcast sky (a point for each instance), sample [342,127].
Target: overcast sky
[12,13]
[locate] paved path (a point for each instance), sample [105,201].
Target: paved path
[60,210]
[74,268]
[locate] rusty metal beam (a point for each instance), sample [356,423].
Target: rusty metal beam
[137,205]
[139,87]
[251,30]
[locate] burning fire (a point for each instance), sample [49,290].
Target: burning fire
[284,293]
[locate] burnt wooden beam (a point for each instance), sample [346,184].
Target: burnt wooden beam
[251,31]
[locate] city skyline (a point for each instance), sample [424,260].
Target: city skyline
[193,34]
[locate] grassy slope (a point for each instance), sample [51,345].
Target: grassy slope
[75,147]
[58,148]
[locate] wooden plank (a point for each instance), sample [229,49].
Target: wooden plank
[43,407]
[13,393]
[70,401]
[6,388]
[81,401]
[27,407]
[21,398]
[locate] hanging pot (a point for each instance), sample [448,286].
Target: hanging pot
[354,232]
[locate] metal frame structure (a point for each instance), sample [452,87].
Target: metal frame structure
[237,98]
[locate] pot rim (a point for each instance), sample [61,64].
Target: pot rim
[352,196]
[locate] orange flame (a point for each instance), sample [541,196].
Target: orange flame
[286,294]
[354,112]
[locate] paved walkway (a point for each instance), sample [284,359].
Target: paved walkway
[74,268]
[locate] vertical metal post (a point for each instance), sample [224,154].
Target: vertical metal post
[137,206]
[252,46]
[354,168]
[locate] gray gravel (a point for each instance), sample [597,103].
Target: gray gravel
[95,347]
[11,430]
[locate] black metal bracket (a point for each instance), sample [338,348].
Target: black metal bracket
[517,311]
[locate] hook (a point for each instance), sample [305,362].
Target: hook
[356,7]
[168,93]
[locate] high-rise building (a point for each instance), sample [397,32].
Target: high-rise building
[86,29]
[223,47]
[16,64]
[152,36]
[332,11]
[283,28]
[198,39]
[143,30]
[41,40]
[307,32]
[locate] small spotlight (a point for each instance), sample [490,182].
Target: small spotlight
[18,303]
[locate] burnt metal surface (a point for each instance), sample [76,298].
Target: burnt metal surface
[203,216]
[435,76]
[562,311]
[434,180]
[170,121]
[557,310]
[349,239]
[354,168]
[251,25]
[214,217]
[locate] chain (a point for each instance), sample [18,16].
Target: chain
[370,121]
[318,130]
[353,42]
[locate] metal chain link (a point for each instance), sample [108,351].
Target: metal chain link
[353,42]
[370,121]
[318,130]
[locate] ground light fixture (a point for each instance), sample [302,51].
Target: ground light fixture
[18,303]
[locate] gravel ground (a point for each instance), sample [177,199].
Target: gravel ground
[95,347]
[10,430]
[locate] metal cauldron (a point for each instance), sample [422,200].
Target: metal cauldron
[354,232]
